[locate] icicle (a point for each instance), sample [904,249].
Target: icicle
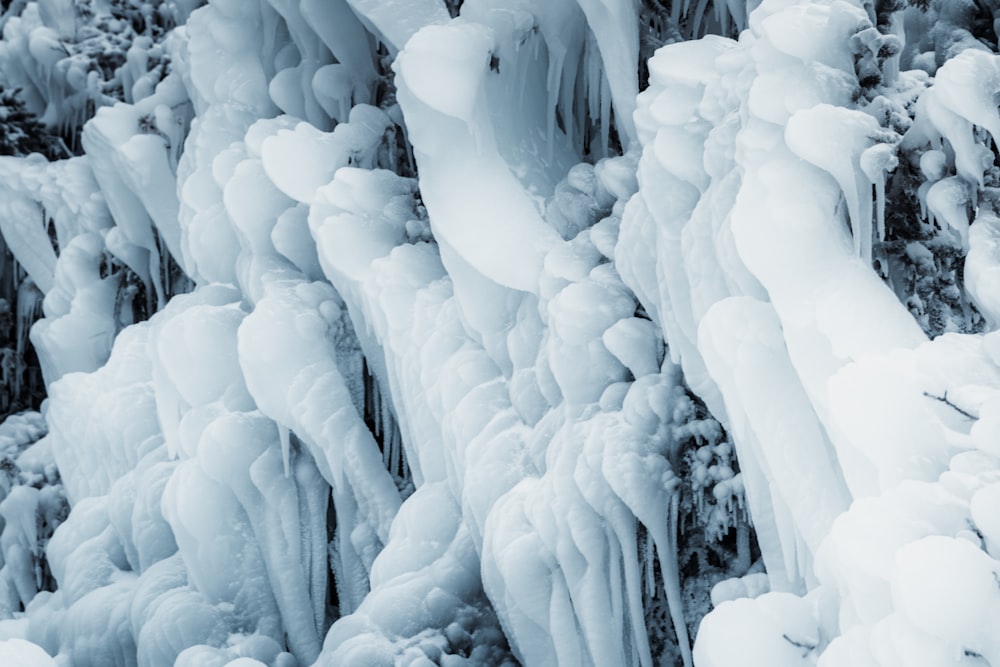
[948,199]
[29,309]
[880,207]
[669,569]
[556,61]
[925,214]
[721,14]
[699,15]
[605,115]
[967,85]
[615,585]
[971,157]
[387,454]
[593,74]
[833,139]
[286,448]
[156,294]
[525,64]
[624,525]
[738,10]
[314,496]
[933,165]
[396,452]
[385,416]
[370,399]
[569,98]
[648,567]
[875,162]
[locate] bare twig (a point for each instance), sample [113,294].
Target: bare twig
[944,399]
[806,647]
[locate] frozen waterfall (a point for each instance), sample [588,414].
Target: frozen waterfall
[500,332]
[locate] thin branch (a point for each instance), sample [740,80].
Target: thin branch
[806,647]
[944,399]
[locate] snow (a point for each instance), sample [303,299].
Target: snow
[21,653]
[453,143]
[948,201]
[851,133]
[78,331]
[624,339]
[966,85]
[761,630]
[735,336]
[362,344]
[981,264]
[956,603]
[302,159]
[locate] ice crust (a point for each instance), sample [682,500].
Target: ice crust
[380,419]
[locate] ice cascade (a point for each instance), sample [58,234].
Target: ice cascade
[372,331]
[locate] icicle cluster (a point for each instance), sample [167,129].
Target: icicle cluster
[370,331]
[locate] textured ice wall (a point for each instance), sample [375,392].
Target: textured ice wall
[217,458]
[413,410]
[762,159]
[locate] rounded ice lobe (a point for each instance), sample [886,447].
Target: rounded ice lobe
[22,653]
[444,65]
[948,588]
[776,629]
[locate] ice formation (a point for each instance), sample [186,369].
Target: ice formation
[371,332]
